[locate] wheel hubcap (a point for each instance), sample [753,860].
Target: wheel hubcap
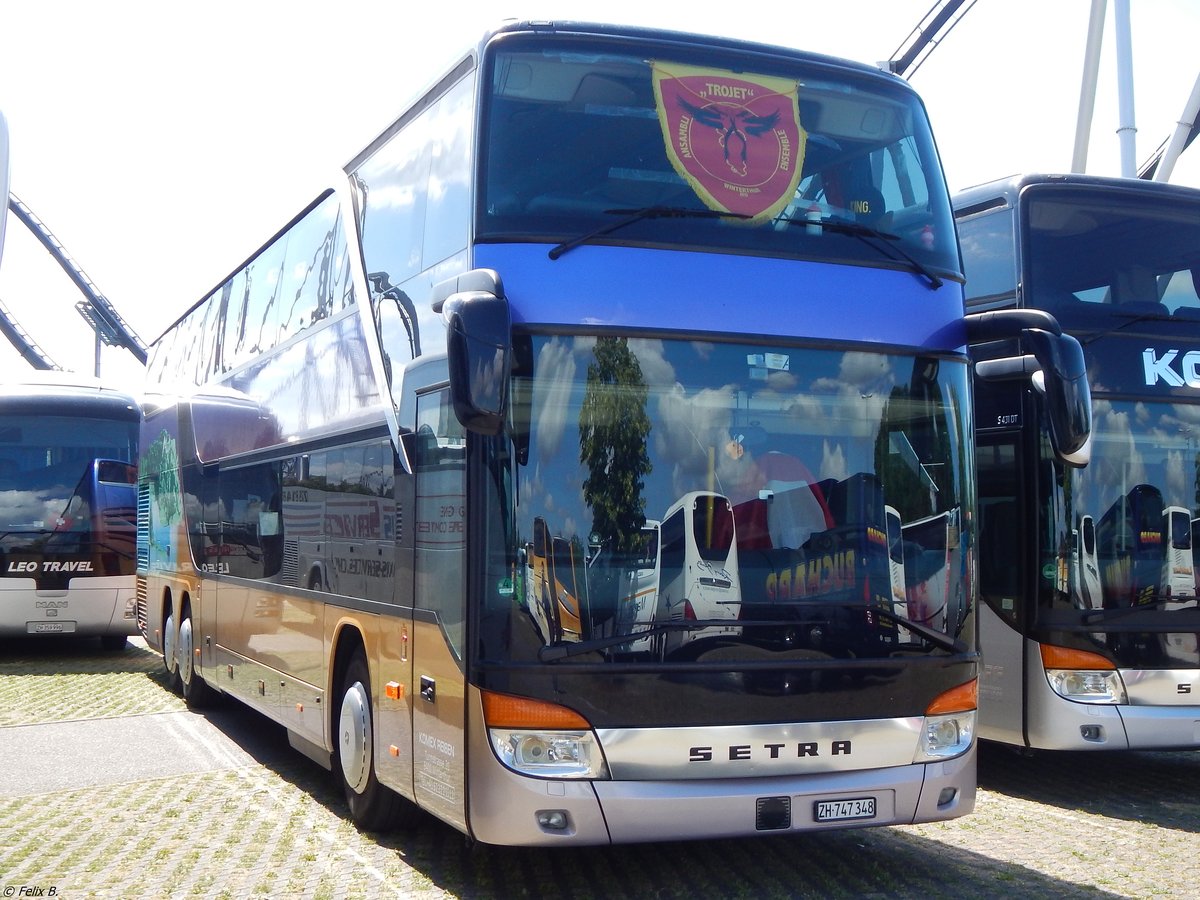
[354,728]
[170,645]
[184,656]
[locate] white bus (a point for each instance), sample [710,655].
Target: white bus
[1178,576]
[693,577]
[68,449]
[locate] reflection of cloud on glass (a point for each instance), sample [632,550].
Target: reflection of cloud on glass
[1179,487]
[28,508]
[656,370]
[833,462]
[805,407]
[782,382]
[693,431]
[556,368]
[866,372]
[1187,414]
[1120,465]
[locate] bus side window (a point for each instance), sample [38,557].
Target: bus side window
[998,554]
[439,543]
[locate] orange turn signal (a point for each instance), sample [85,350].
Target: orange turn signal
[958,699]
[506,711]
[1068,658]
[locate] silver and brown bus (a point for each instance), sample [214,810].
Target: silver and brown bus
[434,428]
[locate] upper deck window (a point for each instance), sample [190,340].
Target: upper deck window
[1105,259]
[702,149]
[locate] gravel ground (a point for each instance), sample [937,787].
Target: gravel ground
[111,789]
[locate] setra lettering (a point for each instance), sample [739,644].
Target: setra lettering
[751,752]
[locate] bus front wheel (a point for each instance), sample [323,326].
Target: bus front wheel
[372,806]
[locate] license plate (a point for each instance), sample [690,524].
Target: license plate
[838,810]
[49,627]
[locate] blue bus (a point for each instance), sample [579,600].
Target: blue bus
[1090,617]
[483,451]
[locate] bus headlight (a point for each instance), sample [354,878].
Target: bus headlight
[1087,686]
[946,736]
[949,724]
[543,739]
[549,754]
[1082,676]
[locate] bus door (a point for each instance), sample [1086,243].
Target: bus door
[437,453]
[1003,584]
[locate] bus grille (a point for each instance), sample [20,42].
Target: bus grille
[290,570]
[143,528]
[140,594]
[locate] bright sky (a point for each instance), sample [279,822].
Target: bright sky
[163,143]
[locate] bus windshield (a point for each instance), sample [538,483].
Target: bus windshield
[1105,261]
[67,489]
[594,143]
[1119,536]
[658,500]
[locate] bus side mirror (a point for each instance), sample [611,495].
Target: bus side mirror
[1060,374]
[1063,382]
[478,349]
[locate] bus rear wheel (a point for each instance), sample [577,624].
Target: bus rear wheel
[196,692]
[372,806]
[170,651]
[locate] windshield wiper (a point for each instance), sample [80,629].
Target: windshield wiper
[1134,318]
[638,215]
[1159,601]
[566,649]
[563,649]
[871,236]
[932,635]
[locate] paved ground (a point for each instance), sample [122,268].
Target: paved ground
[109,788]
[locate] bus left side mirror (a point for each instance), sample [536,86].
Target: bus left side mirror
[1060,374]
[1063,382]
[479,351]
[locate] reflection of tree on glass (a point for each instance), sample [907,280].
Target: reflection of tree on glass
[613,426]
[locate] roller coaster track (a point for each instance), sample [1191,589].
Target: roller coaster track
[26,346]
[95,308]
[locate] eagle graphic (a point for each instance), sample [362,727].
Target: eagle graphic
[733,129]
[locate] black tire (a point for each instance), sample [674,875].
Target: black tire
[373,807]
[196,692]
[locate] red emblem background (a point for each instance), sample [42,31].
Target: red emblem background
[736,138]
